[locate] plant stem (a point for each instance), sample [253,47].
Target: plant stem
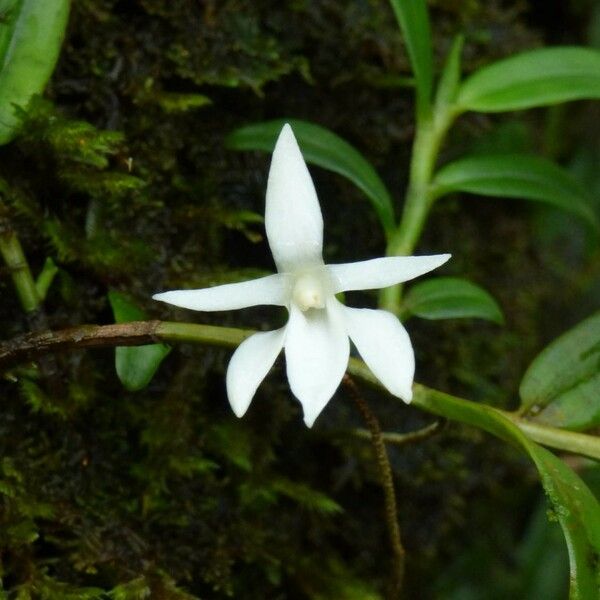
[14,258]
[429,137]
[387,483]
[138,333]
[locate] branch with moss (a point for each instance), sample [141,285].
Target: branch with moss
[139,333]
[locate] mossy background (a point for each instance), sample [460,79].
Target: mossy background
[123,178]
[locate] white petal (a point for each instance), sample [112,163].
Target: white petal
[316,354]
[249,365]
[382,272]
[272,289]
[384,345]
[293,218]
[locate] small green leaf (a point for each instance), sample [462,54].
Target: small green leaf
[324,149]
[451,298]
[45,278]
[562,385]
[135,365]
[30,39]
[520,176]
[450,79]
[413,19]
[535,78]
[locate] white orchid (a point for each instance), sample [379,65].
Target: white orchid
[316,336]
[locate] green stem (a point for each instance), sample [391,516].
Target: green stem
[14,257]
[429,138]
[457,409]
[138,333]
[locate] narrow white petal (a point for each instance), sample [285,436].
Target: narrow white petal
[316,354]
[384,345]
[272,289]
[382,272]
[249,365]
[293,218]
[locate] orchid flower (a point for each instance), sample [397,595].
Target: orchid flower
[316,336]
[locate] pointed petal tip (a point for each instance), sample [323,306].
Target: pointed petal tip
[407,396]
[310,421]
[238,411]
[160,296]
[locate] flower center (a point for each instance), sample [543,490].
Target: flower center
[309,292]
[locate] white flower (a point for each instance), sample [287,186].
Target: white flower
[315,338]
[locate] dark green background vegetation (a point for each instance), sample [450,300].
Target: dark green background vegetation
[123,178]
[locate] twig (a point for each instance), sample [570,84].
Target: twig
[387,483]
[402,439]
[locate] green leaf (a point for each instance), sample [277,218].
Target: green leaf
[520,176]
[31,35]
[450,79]
[535,78]
[135,365]
[324,149]
[451,298]
[413,19]
[45,278]
[562,385]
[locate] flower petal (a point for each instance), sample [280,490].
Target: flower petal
[384,345]
[382,272]
[316,354]
[249,365]
[293,218]
[272,289]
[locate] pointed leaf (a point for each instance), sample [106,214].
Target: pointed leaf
[30,38]
[413,19]
[535,78]
[562,385]
[520,176]
[451,298]
[135,365]
[327,150]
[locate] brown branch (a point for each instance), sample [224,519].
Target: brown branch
[32,345]
[387,483]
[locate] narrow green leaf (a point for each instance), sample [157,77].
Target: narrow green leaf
[518,176]
[45,278]
[450,79]
[451,298]
[535,78]
[413,19]
[30,39]
[562,385]
[324,149]
[135,365]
